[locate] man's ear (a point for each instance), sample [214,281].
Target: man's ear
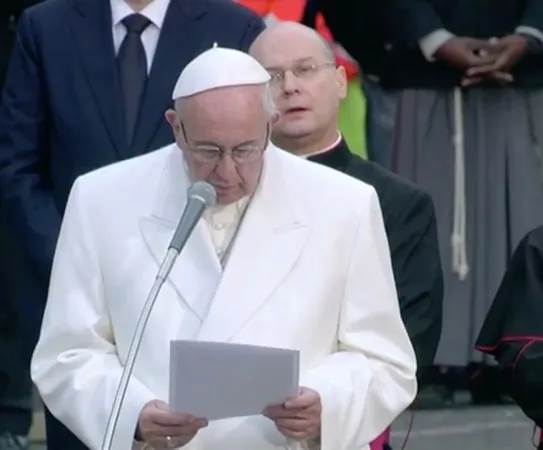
[172,119]
[341,82]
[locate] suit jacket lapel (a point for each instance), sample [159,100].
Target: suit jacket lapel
[269,242]
[181,40]
[92,30]
[197,268]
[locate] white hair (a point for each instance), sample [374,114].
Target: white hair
[267,102]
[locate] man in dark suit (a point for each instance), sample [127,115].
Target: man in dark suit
[307,88]
[88,84]
[15,385]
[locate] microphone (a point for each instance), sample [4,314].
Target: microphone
[201,195]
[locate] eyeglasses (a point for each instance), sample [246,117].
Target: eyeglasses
[302,71]
[211,154]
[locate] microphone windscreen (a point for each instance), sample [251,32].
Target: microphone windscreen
[204,192]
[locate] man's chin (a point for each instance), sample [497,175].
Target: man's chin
[298,132]
[228,196]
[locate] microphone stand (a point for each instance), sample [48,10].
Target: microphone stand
[120,393]
[201,195]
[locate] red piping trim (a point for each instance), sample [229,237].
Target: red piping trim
[507,339]
[521,352]
[529,340]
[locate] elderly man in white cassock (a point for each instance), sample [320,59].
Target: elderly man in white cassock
[294,256]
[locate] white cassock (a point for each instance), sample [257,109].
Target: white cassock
[310,270]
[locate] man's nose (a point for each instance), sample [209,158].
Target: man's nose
[226,166]
[290,82]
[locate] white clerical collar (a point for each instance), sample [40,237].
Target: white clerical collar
[327,149]
[154,11]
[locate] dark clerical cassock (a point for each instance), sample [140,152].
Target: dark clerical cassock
[513,329]
[410,224]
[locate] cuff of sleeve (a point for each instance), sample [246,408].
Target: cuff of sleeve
[530,31]
[136,398]
[329,414]
[431,43]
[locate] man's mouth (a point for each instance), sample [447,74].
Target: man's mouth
[295,110]
[224,188]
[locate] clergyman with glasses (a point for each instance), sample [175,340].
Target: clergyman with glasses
[307,88]
[294,256]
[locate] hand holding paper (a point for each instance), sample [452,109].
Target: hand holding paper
[299,417]
[161,428]
[218,380]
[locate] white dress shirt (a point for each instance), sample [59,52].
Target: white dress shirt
[223,223]
[155,12]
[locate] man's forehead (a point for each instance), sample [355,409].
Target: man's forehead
[290,46]
[282,63]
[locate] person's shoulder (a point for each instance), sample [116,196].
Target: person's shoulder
[46,8]
[533,240]
[46,18]
[230,9]
[322,181]
[386,182]
[126,177]
[528,253]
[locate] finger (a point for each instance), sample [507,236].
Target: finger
[273,412]
[502,77]
[482,49]
[498,66]
[476,43]
[467,82]
[157,432]
[178,431]
[161,406]
[168,419]
[296,435]
[162,443]
[302,401]
[475,72]
[191,429]
[294,424]
[300,413]
[480,60]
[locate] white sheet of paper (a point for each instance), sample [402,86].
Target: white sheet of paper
[217,380]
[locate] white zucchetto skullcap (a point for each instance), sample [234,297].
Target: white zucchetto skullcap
[219,67]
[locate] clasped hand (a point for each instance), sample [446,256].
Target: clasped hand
[299,418]
[484,60]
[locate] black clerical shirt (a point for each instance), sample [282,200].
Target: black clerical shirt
[410,223]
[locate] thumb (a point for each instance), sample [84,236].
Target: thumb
[160,405]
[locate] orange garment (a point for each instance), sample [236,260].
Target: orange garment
[292,10]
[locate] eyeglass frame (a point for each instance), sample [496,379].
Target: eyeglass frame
[313,69]
[221,152]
